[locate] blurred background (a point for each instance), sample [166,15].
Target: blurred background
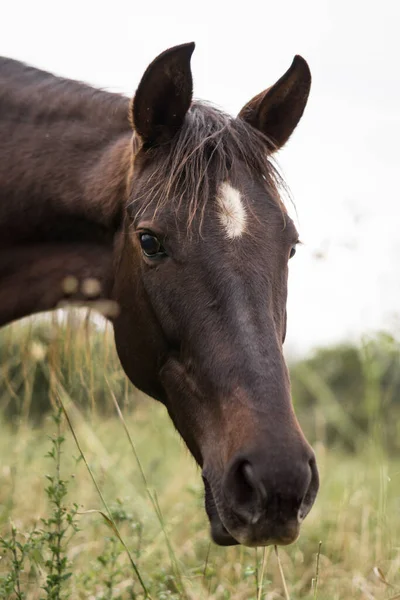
[341,166]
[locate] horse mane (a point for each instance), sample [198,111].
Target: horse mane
[209,141]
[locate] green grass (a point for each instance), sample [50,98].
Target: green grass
[355,517]
[161,518]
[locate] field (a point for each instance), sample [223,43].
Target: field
[61,537]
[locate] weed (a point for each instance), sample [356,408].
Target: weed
[18,553]
[57,530]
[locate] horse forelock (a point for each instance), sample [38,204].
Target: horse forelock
[209,142]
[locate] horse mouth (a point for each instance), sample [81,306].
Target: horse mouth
[219,532]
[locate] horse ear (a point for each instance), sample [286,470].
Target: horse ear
[276,111]
[164,96]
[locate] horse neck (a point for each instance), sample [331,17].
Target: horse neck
[62,188]
[71,194]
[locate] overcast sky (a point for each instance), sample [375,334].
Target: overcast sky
[341,163]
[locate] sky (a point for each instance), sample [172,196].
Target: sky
[341,164]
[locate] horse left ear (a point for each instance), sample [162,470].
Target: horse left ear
[164,96]
[276,111]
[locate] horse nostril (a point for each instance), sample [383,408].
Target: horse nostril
[311,492]
[244,492]
[251,480]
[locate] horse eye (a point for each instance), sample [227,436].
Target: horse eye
[292,251]
[151,245]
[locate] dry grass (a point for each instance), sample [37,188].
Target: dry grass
[162,520]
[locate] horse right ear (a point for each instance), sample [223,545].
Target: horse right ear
[164,96]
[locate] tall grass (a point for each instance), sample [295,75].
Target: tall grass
[153,490]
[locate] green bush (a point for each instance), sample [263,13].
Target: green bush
[349,394]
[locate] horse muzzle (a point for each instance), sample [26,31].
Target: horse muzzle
[259,503]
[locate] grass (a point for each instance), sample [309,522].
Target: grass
[355,517]
[349,547]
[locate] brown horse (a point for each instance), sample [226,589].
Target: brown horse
[166,212]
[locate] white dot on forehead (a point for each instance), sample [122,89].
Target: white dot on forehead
[232,213]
